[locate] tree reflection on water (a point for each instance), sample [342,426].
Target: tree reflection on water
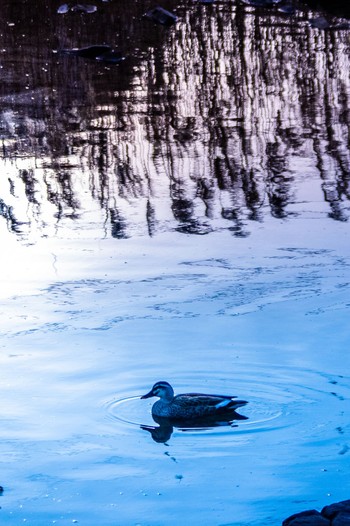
[213,123]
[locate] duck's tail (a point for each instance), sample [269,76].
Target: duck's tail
[230,405]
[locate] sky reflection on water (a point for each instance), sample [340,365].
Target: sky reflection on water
[269,324]
[181,216]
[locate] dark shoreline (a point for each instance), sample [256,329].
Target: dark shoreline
[337,514]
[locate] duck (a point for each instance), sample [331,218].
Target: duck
[190,405]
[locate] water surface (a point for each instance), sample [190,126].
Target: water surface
[182,216]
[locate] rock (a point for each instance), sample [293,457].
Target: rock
[161,16]
[307,518]
[331,511]
[337,514]
[342,519]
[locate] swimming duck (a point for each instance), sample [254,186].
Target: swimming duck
[190,405]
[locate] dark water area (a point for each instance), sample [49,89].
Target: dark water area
[219,107]
[174,205]
[336,7]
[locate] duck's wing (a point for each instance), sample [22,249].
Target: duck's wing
[207,400]
[206,396]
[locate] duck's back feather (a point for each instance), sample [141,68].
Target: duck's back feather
[199,399]
[197,405]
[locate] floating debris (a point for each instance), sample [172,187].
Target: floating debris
[63,9]
[84,8]
[322,23]
[344,450]
[78,8]
[287,9]
[88,52]
[338,8]
[185,135]
[112,57]
[102,53]
[262,3]
[161,16]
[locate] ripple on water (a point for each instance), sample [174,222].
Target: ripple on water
[279,398]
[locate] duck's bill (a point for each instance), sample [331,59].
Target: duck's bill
[148,395]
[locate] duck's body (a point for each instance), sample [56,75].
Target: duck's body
[190,405]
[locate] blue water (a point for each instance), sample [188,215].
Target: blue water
[182,217]
[269,325]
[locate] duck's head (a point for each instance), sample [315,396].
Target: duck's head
[162,390]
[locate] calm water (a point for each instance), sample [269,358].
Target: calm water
[180,216]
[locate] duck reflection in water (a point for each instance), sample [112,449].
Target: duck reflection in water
[189,411]
[162,433]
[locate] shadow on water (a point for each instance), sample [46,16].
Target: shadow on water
[212,123]
[162,433]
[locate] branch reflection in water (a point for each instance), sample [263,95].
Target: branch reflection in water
[162,433]
[233,115]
